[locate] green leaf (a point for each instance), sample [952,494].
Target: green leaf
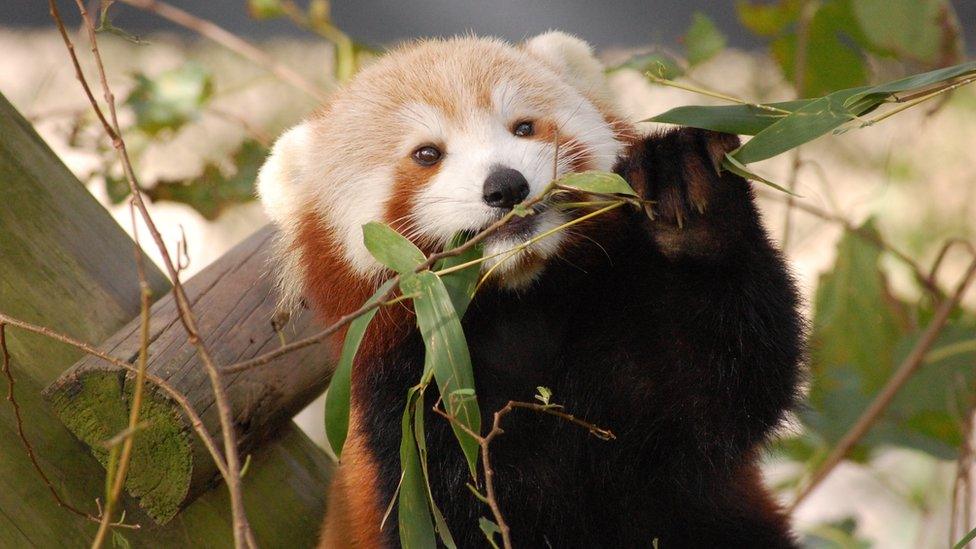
[660,64]
[856,327]
[490,530]
[917,30]
[916,82]
[543,394]
[703,39]
[171,99]
[461,284]
[807,120]
[805,124]
[212,191]
[597,182]
[840,534]
[962,543]
[731,164]
[413,513]
[737,119]
[770,19]
[105,25]
[924,413]
[833,60]
[856,319]
[391,248]
[447,357]
[440,525]
[337,399]
[265,9]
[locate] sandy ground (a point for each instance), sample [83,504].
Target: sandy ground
[915,173]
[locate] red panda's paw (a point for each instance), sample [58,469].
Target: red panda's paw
[695,208]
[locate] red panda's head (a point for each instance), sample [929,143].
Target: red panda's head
[438,137]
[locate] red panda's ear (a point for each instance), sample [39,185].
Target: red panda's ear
[570,57]
[279,180]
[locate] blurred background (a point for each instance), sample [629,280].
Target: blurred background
[199,117]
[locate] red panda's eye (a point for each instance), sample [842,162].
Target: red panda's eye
[523,129]
[427,155]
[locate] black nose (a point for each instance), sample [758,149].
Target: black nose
[505,187]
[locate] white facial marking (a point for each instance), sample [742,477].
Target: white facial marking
[341,166]
[453,199]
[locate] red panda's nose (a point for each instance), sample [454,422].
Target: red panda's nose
[504,187]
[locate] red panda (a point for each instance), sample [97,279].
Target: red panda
[679,331]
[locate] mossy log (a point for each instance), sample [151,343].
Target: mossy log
[66,264]
[234,301]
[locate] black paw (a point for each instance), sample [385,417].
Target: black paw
[695,207]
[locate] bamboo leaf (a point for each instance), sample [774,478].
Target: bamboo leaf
[597,182]
[962,543]
[918,81]
[391,248]
[337,399]
[440,525]
[806,124]
[737,119]
[660,64]
[413,514]
[447,358]
[490,530]
[731,164]
[461,284]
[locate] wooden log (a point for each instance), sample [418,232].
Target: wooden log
[66,264]
[234,301]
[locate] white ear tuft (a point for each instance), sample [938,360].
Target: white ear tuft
[278,181]
[280,188]
[571,57]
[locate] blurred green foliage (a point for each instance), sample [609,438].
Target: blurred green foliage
[170,99]
[832,38]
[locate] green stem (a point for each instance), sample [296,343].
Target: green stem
[711,93]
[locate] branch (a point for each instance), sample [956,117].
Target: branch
[496,430]
[195,421]
[904,372]
[19,420]
[962,486]
[917,271]
[114,491]
[230,41]
[243,537]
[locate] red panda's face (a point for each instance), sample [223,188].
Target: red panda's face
[443,137]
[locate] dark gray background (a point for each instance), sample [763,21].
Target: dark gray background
[380,22]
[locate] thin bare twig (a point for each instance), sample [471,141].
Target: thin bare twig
[243,537]
[484,442]
[28,447]
[918,272]
[944,250]
[230,41]
[962,486]
[884,397]
[195,422]
[121,470]
[807,11]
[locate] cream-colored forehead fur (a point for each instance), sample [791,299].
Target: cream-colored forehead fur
[338,165]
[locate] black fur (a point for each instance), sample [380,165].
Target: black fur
[684,341]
